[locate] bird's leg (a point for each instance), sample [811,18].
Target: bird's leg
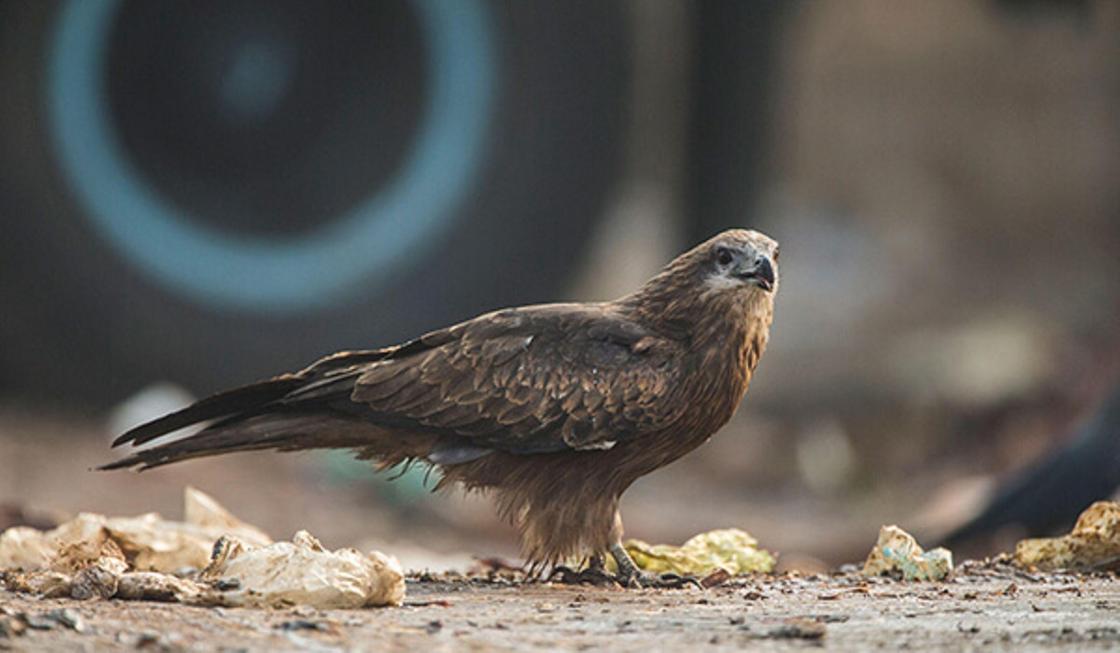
[629,575]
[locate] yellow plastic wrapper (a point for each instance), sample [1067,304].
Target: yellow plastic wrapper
[1093,544]
[898,552]
[730,549]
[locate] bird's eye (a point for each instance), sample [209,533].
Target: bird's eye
[724,256]
[777,250]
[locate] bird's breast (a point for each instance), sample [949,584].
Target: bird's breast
[722,376]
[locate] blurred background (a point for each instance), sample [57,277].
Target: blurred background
[200,194]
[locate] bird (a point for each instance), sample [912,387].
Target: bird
[553,409]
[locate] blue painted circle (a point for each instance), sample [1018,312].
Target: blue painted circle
[275,275]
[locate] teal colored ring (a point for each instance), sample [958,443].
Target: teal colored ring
[276,275]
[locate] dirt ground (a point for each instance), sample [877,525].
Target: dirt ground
[985,606]
[44,477]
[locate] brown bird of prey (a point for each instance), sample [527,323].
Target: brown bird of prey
[556,409]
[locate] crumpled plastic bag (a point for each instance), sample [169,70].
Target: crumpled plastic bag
[898,552]
[23,547]
[730,549]
[1093,544]
[133,558]
[148,542]
[302,572]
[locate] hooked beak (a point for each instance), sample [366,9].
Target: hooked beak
[760,273]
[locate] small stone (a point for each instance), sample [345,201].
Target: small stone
[12,627]
[95,582]
[39,622]
[798,629]
[70,618]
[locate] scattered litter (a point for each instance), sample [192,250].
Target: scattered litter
[730,549]
[150,558]
[23,547]
[897,552]
[1093,544]
[717,577]
[47,584]
[154,586]
[147,542]
[99,580]
[302,572]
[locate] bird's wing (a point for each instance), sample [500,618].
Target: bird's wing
[526,380]
[531,380]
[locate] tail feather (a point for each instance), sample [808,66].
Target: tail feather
[310,409]
[284,432]
[224,404]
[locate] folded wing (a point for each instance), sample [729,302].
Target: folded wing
[524,381]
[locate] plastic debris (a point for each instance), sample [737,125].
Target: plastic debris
[148,542]
[1093,544]
[22,547]
[154,586]
[730,549]
[897,552]
[47,584]
[302,572]
[133,558]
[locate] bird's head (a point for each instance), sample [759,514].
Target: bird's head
[733,273]
[738,261]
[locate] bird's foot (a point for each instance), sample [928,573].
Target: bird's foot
[589,576]
[602,578]
[594,574]
[629,575]
[667,581]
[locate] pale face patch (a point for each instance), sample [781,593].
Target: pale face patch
[721,282]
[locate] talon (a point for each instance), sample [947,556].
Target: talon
[676,581]
[567,575]
[666,581]
[594,574]
[629,575]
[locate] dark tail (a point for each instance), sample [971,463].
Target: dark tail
[289,413]
[224,404]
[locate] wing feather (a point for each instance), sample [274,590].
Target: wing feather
[531,380]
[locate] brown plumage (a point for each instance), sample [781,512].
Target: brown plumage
[556,409]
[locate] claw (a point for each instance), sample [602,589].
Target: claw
[629,575]
[668,581]
[590,576]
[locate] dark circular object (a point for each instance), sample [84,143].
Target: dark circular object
[277,161]
[265,92]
